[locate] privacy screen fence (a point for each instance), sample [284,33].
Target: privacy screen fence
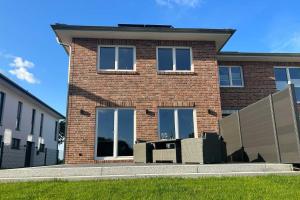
[266,131]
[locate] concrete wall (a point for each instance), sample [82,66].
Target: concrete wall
[14,158]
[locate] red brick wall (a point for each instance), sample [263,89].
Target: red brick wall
[145,89]
[259,82]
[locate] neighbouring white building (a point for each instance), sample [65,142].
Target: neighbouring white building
[28,128]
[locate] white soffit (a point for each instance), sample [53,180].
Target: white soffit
[65,36]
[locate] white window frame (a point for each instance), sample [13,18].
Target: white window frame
[117,58]
[230,77]
[115,135]
[176,120]
[174,58]
[287,70]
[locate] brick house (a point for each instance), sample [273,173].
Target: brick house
[148,82]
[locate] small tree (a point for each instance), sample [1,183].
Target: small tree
[62,131]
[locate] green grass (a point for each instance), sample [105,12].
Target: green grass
[265,187]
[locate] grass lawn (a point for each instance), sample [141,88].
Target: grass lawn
[264,187]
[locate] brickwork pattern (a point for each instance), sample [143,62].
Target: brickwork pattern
[142,90]
[259,82]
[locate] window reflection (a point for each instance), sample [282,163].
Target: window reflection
[107,58]
[186,123]
[181,118]
[224,76]
[166,124]
[165,59]
[105,132]
[183,59]
[125,132]
[125,58]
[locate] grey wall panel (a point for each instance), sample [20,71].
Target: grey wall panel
[257,130]
[286,125]
[13,158]
[51,158]
[230,131]
[39,159]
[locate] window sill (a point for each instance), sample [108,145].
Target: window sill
[176,73]
[232,87]
[115,158]
[118,72]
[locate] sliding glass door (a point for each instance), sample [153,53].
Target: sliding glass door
[177,123]
[115,132]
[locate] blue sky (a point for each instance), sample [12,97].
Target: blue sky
[30,56]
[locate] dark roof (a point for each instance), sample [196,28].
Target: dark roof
[145,25]
[236,53]
[261,57]
[151,28]
[13,84]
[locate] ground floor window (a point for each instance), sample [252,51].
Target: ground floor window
[176,123]
[115,132]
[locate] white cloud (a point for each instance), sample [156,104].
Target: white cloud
[172,3]
[20,63]
[20,70]
[290,44]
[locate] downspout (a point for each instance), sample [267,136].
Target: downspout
[67,108]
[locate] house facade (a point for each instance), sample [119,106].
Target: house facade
[28,128]
[150,82]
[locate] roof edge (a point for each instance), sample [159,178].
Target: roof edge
[18,87]
[258,57]
[236,53]
[59,26]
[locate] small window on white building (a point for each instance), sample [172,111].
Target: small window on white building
[15,143]
[19,115]
[2,99]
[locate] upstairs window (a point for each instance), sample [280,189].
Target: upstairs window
[231,76]
[41,124]
[174,59]
[2,99]
[19,115]
[288,75]
[116,58]
[55,130]
[32,121]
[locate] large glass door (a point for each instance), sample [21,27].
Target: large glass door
[177,123]
[115,132]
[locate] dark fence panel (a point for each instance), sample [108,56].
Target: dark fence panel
[286,120]
[232,138]
[257,130]
[268,130]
